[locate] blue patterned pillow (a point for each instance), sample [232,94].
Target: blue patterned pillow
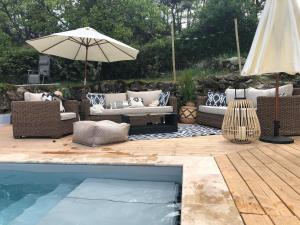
[96,98]
[164,98]
[216,99]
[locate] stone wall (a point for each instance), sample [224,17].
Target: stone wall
[221,64]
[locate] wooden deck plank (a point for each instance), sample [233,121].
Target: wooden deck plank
[293,149]
[297,144]
[293,168]
[192,146]
[280,171]
[282,189]
[285,220]
[271,204]
[243,197]
[283,152]
[252,219]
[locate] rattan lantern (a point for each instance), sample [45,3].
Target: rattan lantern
[240,124]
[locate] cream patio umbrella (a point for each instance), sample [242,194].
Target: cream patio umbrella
[276,49]
[85,44]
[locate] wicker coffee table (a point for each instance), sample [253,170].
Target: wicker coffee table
[151,123]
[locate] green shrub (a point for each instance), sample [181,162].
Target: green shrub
[5,87]
[15,63]
[187,88]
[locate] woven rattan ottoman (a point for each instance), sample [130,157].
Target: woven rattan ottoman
[93,133]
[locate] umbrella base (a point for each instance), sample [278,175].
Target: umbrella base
[277,139]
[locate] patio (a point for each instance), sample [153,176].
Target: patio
[262,180]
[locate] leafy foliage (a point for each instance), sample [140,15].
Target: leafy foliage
[215,30]
[187,88]
[144,24]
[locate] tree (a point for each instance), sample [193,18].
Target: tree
[214,33]
[181,12]
[143,24]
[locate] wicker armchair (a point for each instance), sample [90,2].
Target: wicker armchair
[289,114]
[42,119]
[85,111]
[212,120]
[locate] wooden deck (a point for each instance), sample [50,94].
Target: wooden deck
[263,179]
[265,183]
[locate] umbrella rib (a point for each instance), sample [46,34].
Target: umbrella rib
[74,40]
[120,50]
[102,50]
[77,51]
[55,45]
[98,42]
[82,40]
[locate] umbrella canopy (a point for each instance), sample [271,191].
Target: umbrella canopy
[276,46]
[84,44]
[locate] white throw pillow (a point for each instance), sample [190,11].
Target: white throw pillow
[135,102]
[47,97]
[284,91]
[32,97]
[97,109]
[230,94]
[114,97]
[253,93]
[147,96]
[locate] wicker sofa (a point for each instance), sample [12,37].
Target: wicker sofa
[43,119]
[116,114]
[289,115]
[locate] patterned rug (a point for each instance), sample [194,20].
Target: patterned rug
[184,130]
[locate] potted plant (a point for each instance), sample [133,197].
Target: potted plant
[187,90]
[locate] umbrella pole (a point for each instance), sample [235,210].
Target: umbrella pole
[85,68]
[276,138]
[276,121]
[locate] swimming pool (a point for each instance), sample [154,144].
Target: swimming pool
[48,194]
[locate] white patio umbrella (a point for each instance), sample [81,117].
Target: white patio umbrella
[84,44]
[276,49]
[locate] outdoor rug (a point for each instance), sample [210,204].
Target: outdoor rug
[184,130]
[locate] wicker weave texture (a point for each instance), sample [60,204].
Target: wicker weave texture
[41,119]
[289,115]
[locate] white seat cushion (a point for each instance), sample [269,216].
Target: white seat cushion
[67,116]
[212,109]
[143,110]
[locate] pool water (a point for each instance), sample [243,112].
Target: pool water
[87,195]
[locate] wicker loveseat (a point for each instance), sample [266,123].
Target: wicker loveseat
[116,114]
[289,115]
[43,119]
